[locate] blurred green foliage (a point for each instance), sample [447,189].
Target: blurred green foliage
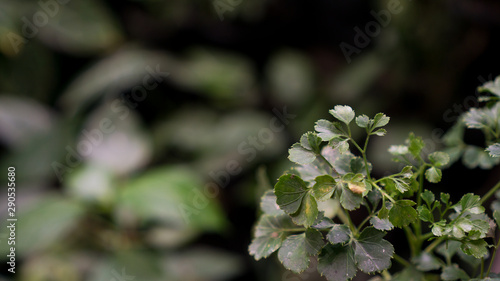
[203,87]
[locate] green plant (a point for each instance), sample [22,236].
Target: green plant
[294,222]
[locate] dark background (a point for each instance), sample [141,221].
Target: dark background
[118,208]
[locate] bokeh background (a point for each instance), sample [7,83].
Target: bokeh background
[144,131]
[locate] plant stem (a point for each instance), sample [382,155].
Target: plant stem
[383,192]
[412,241]
[402,261]
[346,219]
[386,275]
[353,227]
[365,221]
[490,193]
[493,258]
[342,216]
[417,226]
[433,245]
[482,268]
[364,157]
[426,236]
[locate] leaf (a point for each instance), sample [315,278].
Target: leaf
[428,197]
[357,165]
[295,199]
[328,130]
[308,211]
[343,113]
[494,150]
[401,185]
[81,28]
[445,197]
[32,233]
[314,242]
[476,118]
[448,249]
[433,174]
[440,228]
[311,141]
[439,159]
[425,214]
[300,155]
[381,224]
[119,72]
[398,150]
[453,272]
[323,222]
[455,153]
[295,250]
[374,197]
[496,216]
[169,195]
[491,86]
[268,204]
[402,213]
[319,167]
[380,132]
[269,234]
[455,135]
[383,213]
[342,145]
[372,253]
[380,120]
[324,187]
[336,263]
[426,262]
[290,190]
[472,156]
[476,248]
[339,234]
[350,200]
[362,121]
[357,187]
[480,225]
[416,144]
[460,227]
[471,203]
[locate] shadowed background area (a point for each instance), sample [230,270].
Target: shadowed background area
[144,132]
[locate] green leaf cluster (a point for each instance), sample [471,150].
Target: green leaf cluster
[486,119]
[333,167]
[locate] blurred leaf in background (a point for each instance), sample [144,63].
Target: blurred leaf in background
[166,95]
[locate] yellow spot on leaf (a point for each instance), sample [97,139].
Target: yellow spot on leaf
[357,187]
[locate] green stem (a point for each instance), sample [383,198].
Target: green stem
[493,258]
[426,236]
[412,241]
[383,192]
[346,219]
[490,193]
[342,216]
[356,145]
[364,157]
[365,221]
[420,184]
[417,226]
[400,260]
[482,268]
[353,227]
[386,275]
[433,245]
